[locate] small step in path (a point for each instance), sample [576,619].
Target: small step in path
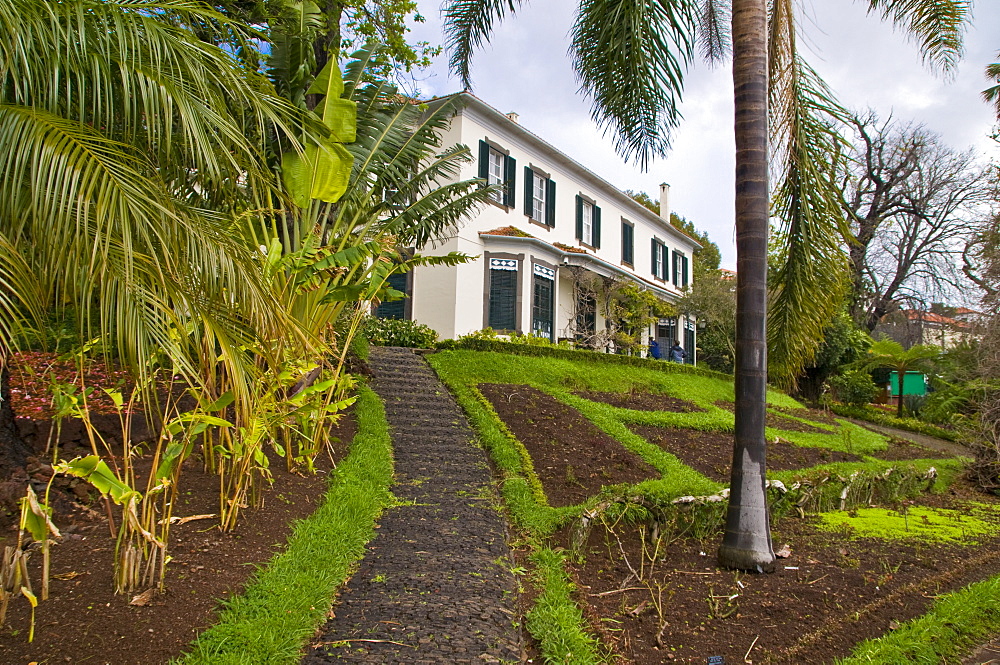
[435,585]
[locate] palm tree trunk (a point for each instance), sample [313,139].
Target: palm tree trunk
[900,375]
[747,541]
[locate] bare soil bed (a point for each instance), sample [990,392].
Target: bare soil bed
[83,621]
[828,595]
[572,458]
[642,401]
[711,453]
[792,422]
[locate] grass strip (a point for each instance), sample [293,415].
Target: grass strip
[956,623]
[289,598]
[555,620]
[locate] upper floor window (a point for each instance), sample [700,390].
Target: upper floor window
[628,242]
[659,263]
[539,196]
[497,167]
[680,269]
[588,222]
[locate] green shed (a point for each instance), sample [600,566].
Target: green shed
[914,383]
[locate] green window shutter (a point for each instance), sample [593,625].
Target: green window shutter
[484,159]
[628,234]
[655,255]
[529,190]
[673,268]
[665,264]
[684,271]
[597,227]
[510,178]
[579,218]
[550,202]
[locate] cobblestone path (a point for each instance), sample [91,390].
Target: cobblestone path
[435,585]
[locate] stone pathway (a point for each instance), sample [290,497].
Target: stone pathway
[948,447]
[435,585]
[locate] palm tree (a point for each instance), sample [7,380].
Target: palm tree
[131,143]
[631,58]
[887,353]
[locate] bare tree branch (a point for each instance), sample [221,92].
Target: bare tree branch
[912,203]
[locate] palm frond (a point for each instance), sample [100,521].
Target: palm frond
[714,19]
[936,25]
[137,71]
[807,157]
[646,43]
[992,94]
[98,232]
[467,25]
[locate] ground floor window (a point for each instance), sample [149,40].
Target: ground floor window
[666,333]
[542,304]
[396,309]
[503,299]
[689,341]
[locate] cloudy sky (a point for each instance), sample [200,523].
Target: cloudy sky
[525,69]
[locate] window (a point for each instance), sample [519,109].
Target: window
[628,242]
[497,167]
[689,341]
[666,332]
[396,309]
[494,176]
[679,269]
[539,197]
[659,256]
[542,302]
[503,295]
[588,222]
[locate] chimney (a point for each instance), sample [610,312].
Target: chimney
[665,202]
[513,117]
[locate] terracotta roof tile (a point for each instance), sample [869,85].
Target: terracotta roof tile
[509,231]
[568,248]
[931,317]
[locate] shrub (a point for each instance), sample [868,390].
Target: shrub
[854,387]
[398,332]
[490,335]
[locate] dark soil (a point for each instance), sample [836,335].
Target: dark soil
[827,596]
[817,415]
[901,449]
[778,421]
[572,458]
[711,453]
[83,621]
[642,401]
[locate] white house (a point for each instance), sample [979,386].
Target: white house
[556,226]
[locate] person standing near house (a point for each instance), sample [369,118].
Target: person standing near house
[676,353]
[654,349]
